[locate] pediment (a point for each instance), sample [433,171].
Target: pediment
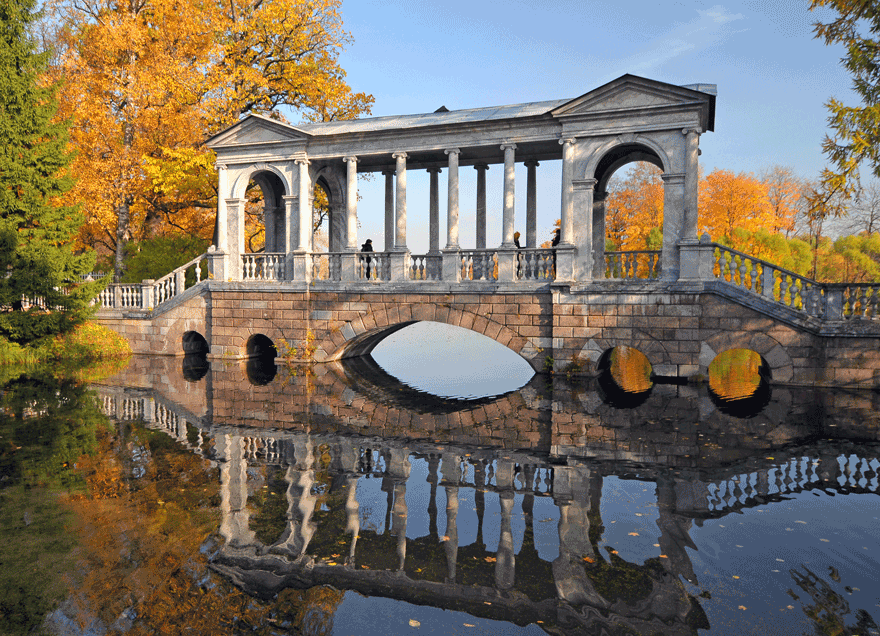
[630,92]
[255,129]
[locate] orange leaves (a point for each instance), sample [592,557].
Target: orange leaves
[634,206]
[729,201]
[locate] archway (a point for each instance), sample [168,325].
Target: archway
[265,224]
[739,382]
[625,377]
[260,367]
[628,222]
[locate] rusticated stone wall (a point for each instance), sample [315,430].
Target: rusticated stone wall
[560,328]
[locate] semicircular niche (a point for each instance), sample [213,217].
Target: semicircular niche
[451,362]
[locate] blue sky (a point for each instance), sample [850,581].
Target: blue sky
[773,78]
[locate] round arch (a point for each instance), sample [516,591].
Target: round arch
[252,172]
[778,360]
[355,338]
[329,178]
[620,151]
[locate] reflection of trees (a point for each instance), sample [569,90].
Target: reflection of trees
[830,609]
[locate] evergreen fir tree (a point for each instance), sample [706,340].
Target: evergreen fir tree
[40,274]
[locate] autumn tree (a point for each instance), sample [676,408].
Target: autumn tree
[41,291]
[634,207]
[785,192]
[729,201]
[153,79]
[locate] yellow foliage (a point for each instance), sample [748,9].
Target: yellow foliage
[634,207]
[729,201]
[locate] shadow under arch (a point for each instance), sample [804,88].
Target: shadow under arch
[740,382]
[625,379]
[194,342]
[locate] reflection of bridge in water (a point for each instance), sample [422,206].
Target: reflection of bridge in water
[291,481]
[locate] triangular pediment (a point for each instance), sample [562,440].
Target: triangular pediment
[256,129]
[630,92]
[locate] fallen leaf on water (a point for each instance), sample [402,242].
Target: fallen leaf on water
[614,552]
[633,534]
[656,545]
[790,606]
[742,607]
[663,556]
[414,623]
[365,567]
[468,625]
[735,576]
[589,560]
[335,556]
[803,522]
[490,559]
[445,538]
[825,540]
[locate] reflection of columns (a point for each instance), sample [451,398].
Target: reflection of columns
[509,212]
[433,478]
[673,219]
[389,209]
[351,204]
[300,501]
[398,470]
[567,216]
[452,200]
[531,204]
[434,212]
[352,516]
[234,525]
[451,537]
[505,562]
[304,244]
[481,204]
[691,183]
[674,532]
[400,201]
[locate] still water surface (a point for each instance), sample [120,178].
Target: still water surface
[182,497]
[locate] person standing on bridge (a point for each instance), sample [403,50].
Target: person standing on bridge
[553,244]
[367,247]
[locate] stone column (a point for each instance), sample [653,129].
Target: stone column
[509,212]
[481,204]
[235,236]
[389,209]
[583,234]
[400,202]
[531,204]
[691,183]
[434,212]
[351,238]
[566,213]
[598,236]
[452,201]
[673,219]
[222,212]
[300,260]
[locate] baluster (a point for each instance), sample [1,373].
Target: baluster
[783,289]
[742,272]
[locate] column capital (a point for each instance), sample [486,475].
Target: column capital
[434,169]
[220,166]
[673,177]
[351,159]
[450,151]
[695,129]
[301,161]
[531,162]
[508,146]
[287,198]
[388,172]
[583,184]
[399,155]
[567,140]
[481,166]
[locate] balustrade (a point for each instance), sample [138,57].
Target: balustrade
[374,266]
[479,265]
[265,266]
[327,266]
[535,264]
[629,265]
[426,267]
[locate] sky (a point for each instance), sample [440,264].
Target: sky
[413,56]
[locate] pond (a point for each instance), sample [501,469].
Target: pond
[412,493]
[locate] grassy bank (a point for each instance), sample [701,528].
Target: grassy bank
[89,342]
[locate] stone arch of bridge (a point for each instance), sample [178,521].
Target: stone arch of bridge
[360,336]
[770,349]
[656,351]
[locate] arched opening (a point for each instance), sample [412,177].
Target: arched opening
[628,213]
[451,362]
[739,382]
[264,225]
[260,366]
[625,377]
[195,359]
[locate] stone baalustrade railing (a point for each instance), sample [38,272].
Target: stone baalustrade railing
[263,266]
[636,264]
[151,293]
[826,301]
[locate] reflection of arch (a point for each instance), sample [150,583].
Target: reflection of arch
[741,395]
[260,367]
[360,336]
[629,385]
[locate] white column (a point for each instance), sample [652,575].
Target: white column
[691,183]
[531,204]
[452,201]
[434,211]
[351,204]
[508,214]
[304,244]
[481,204]
[584,234]
[567,216]
[389,209]
[222,220]
[674,186]
[400,201]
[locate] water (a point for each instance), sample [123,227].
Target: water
[177,497]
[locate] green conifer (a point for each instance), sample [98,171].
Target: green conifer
[40,274]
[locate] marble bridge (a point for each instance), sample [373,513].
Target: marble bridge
[562,308]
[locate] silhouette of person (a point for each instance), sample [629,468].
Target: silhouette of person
[516,236]
[553,244]
[367,247]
